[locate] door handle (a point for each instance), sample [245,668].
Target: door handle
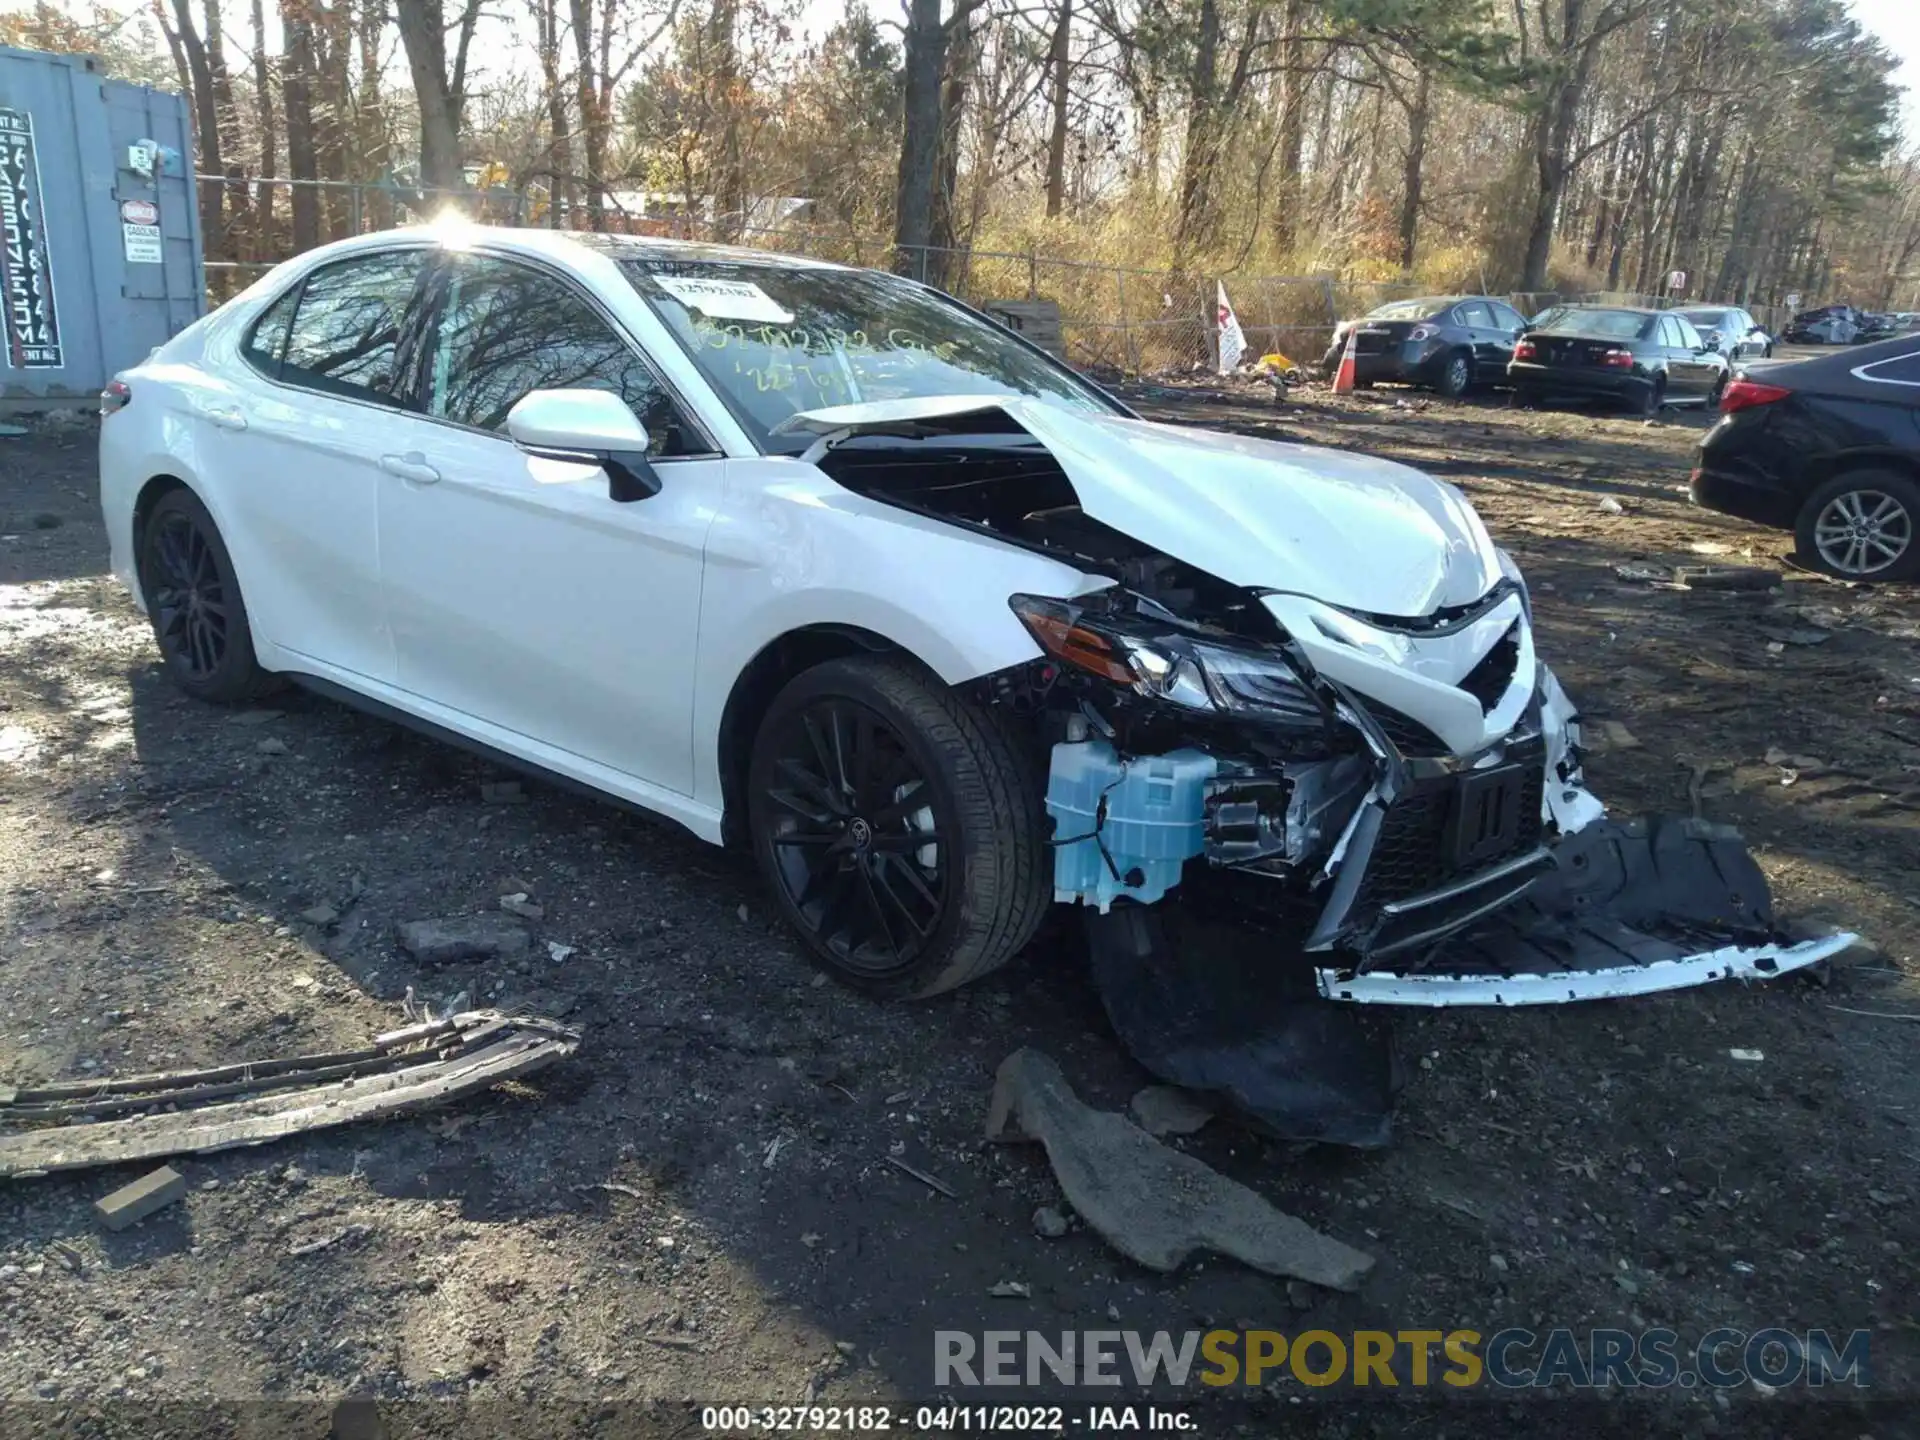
[227,417]
[411,466]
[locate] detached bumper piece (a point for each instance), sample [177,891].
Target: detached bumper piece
[1627,908]
[1201,999]
[144,1117]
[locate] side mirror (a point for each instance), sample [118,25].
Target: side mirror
[591,425]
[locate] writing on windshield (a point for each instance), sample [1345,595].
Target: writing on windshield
[777,340]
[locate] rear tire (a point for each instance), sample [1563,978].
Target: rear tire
[1863,525]
[899,827]
[1649,402]
[1455,377]
[193,600]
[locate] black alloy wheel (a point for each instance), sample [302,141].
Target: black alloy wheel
[1456,376]
[857,848]
[899,826]
[193,599]
[190,611]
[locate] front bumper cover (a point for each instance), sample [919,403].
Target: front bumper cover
[1202,999]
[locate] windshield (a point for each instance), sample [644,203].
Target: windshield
[1609,324]
[1407,310]
[775,340]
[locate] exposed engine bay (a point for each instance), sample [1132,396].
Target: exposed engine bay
[1276,809]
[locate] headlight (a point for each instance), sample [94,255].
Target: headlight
[1167,665]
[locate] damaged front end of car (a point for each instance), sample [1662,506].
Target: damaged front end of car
[1281,810]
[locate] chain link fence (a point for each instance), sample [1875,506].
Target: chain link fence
[1115,319]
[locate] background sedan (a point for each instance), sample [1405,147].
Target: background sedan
[1643,358]
[1828,448]
[1445,342]
[1731,331]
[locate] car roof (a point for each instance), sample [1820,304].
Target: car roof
[1617,309]
[565,245]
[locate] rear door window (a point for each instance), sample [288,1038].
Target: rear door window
[345,335]
[1475,315]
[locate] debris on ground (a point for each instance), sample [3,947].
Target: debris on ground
[1604,735]
[1169,1110]
[518,904]
[502,792]
[1751,1056]
[932,1182]
[462,937]
[1011,1290]
[67,1126]
[327,1242]
[1150,1202]
[131,1203]
[1610,506]
[1725,577]
[1049,1223]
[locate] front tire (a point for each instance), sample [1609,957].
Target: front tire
[898,826]
[1863,525]
[193,600]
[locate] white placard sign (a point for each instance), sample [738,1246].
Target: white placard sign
[726,299]
[142,244]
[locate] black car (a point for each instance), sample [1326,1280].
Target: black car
[1446,342]
[1731,331]
[1643,358]
[1828,448]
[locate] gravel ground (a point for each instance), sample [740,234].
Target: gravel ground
[702,1206]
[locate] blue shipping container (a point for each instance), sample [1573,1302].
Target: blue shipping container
[99,227]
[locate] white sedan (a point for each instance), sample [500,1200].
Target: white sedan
[817,561]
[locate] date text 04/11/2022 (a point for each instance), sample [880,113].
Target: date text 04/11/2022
[975,1419]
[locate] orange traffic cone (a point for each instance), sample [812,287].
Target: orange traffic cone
[1343,377]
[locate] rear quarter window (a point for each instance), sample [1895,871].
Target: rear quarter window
[265,345]
[1901,372]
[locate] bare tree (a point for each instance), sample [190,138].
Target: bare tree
[441,92]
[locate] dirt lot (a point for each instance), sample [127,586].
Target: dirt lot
[701,1205]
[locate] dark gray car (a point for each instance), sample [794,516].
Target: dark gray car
[1448,343]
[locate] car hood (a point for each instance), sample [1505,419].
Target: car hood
[1350,530]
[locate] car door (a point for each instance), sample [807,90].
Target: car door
[294,450]
[1476,319]
[1704,366]
[1682,381]
[520,594]
[1508,325]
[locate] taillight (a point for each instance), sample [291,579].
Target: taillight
[1422,332]
[1617,360]
[1524,350]
[115,398]
[1745,394]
